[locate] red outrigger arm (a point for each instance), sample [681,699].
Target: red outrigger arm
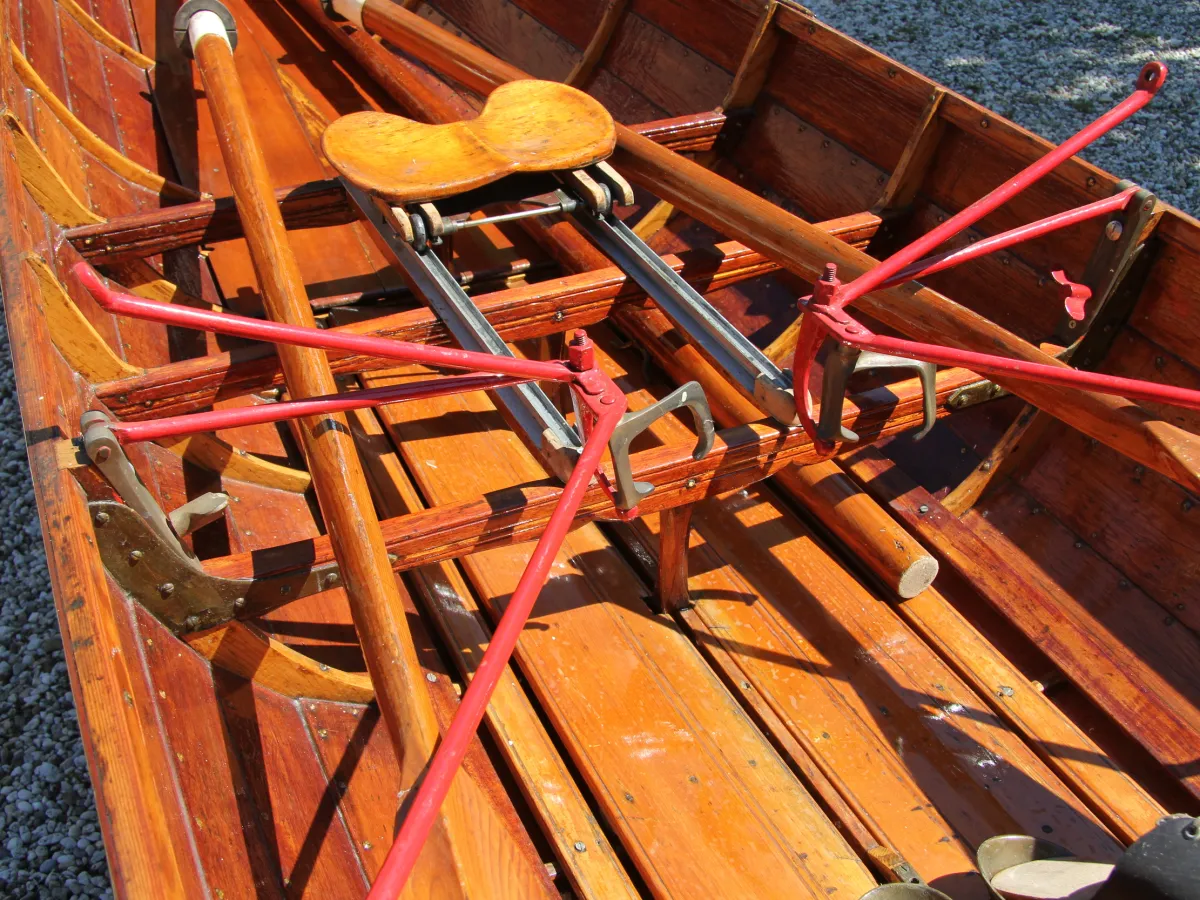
[601,405]
[825,314]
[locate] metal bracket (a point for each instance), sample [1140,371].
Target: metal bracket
[103,449]
[839,362]
[690,396]
[176,590]
[1119,245]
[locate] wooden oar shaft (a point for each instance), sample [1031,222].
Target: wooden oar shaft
[337,474]
[920,313]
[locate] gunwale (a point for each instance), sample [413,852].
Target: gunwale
[124,734]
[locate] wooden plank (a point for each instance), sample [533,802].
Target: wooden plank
[1158,710]
[753,68]
[555,798]
[659,703]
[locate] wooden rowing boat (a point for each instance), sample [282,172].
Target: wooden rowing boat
[787,672]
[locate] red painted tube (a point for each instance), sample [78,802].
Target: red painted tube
[950,258]
[853,334]
[277,333]
[419,818]
[195,423]
[1152,76]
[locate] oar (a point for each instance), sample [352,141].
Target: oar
[470,853]
[918,312]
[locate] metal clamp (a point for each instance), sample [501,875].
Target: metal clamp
[103,449]
[839,362]
[183,18]
[690,396]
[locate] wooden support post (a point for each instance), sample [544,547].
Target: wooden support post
[914,162]
[674,527]
[469,852]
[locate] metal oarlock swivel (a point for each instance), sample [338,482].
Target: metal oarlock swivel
[827,329]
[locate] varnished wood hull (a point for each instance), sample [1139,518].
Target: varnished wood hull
[792,729]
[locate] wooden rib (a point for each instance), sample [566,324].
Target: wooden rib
[215,455]
[142,279]
[581,74]
[104,36]
[916,158]
[108,155]
[42,180]
[72,334]
[752,71]
[1018,441]
[246,651]
[520,736]
[470,852]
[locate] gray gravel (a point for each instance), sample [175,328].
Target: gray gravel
[1052,67]
[1049,66]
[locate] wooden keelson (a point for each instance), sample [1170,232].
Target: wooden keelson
[752,690]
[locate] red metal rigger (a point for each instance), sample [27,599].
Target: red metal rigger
[601,406]
[825,315]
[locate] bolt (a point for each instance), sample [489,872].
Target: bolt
[101,519]
[102,454]
[923,508]
[580,847]
[691,483]
[166,589]
[134,556]
[1113,230]
[829,276]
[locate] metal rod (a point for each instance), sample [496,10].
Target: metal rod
[854,334]
[196,423]
[1152,76]
[949,258]
[320,339]
[459,224]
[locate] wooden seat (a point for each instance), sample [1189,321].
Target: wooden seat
[526,126]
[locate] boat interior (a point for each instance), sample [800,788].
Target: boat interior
[793,728]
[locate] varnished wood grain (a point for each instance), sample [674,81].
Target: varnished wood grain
[528,126]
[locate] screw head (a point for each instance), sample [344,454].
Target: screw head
[166,589]
[239,602]
[559,315]
[923,508]
[135,556]
[430,677]
[101,519]
[1113,230]
[690,483]
[102,454]
[192,622]
[580,847]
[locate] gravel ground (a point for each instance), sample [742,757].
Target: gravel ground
[1049,66]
